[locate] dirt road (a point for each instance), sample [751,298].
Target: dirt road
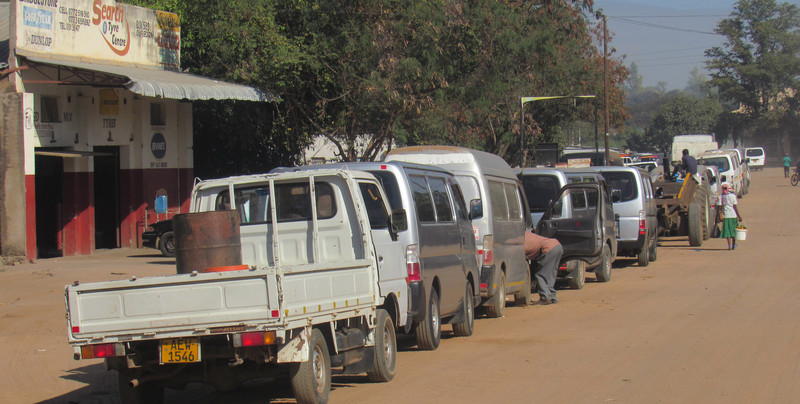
[699,325]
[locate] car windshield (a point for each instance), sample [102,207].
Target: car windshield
[624,181]
[754,153]
[540,190]
[720,162]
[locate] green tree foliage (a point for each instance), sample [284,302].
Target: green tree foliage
[683,115]
[759,64]
[393,71]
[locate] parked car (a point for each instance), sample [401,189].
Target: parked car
[730,171]
[541,186]
[497,210]
[160,237]
[581,218]
[436,253]
[635,211]
[757,157]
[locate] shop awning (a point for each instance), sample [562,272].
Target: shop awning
[151,82]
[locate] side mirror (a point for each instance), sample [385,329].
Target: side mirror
[724,178]
[747,160]
[659,193]
[475,209]
[557,207]
[713,180]
[397,222]
[616,195]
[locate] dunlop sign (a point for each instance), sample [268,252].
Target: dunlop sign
[102,30]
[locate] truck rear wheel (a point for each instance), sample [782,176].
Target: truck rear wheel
[467,327]
[695,225]
[523,297]
[144,393]
[603,271]
[311,380]
[429,332]
[385,358]
[496,310]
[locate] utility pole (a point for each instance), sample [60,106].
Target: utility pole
[605,87]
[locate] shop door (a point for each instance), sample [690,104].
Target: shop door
[106,197]
[49,201]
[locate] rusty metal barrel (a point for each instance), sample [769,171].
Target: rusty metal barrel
[206,240]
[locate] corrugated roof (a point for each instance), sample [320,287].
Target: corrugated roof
[166,84]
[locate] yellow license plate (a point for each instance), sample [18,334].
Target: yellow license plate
[180,350]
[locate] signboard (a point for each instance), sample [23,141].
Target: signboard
[99,30]
[109,102]
[579,163]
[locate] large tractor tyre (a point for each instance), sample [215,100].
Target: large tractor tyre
[429,332]
[384,366]
[496,310]
[311,380]
[603,272]
[695,225]
[466,327]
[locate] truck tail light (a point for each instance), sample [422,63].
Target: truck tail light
[488,254]
[642,228]
[412,264]
[102,351]
[257,338]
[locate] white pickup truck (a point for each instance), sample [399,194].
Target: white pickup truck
[312,297]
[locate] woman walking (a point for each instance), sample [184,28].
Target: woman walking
[730,214]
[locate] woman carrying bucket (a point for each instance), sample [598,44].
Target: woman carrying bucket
[727,203]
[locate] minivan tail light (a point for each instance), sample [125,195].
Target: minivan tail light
[642,228]
[488,254]
[412,263]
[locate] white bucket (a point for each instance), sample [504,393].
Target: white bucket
[741,234]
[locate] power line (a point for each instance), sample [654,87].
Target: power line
[667,16]
[660,26]
[668,51]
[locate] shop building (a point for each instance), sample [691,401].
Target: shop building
[96,124]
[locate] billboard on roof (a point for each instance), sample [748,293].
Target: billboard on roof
[102,31]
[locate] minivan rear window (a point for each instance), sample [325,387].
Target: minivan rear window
[624,181]
[389,183]
[754,153]
[721,163]
[540,190]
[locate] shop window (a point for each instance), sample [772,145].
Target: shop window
[158,114]
[49,109]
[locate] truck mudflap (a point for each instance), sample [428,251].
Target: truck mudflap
[488,282]
[296,350]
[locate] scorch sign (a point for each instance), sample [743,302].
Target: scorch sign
[110,20]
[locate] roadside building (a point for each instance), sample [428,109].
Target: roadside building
[96,124]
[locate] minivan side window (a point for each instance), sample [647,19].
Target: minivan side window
[624,182]
[461,207]
[441,200]
[514,209]
[498,198]
[376,210]
[389,183]
[422,199]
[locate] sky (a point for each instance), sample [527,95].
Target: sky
[666,39]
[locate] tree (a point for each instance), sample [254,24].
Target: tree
[759,64]
[682,115]
[635,80]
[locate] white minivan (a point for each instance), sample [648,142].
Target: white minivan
[730,171]
[757,157]
[498,212]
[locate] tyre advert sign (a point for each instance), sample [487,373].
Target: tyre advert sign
[99,30]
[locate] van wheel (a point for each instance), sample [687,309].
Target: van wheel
[603,272]
[579,276]
[695,225]
[146,393]
[654,249]
[496,310]
[167,244]
[523,297]
[311,380]
[429,332]
[643,258]
[385,362]
[467,327]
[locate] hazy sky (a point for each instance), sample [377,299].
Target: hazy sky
[666,39]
